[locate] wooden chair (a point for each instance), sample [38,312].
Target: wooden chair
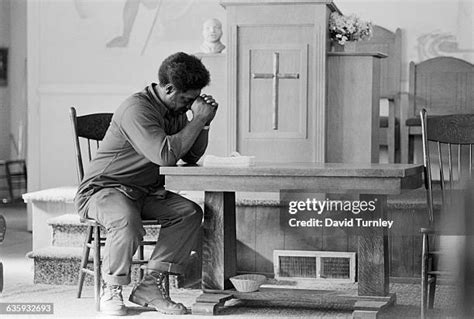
[441,85]
[14,170]
[389,43]
[448,142]
[15,176]
[92,129]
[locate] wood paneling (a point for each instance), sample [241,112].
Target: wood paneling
[443,86]
[353,108]
[388,43]
[290,64]
[274,116]
[404,239]
[267,239]
[298,34]
[246,220]
[401,261]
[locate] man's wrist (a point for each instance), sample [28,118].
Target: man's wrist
[199,121]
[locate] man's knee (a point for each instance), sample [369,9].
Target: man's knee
[195,212]
[117,214]
[126,223]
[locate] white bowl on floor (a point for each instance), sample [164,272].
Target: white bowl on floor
[248,283]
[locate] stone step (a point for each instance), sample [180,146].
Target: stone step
[68,231]
[60,266]
[413,199]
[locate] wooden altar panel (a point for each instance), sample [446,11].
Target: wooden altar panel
[283,136]
[292,103]
[296,31]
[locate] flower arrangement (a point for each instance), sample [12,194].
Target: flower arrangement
[348,28]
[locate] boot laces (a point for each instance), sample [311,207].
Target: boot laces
[161,287]
[115,292]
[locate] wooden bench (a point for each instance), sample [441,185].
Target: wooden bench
[441,85]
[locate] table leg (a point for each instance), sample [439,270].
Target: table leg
[219,240]
[373,265]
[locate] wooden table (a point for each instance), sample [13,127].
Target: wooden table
[370,181]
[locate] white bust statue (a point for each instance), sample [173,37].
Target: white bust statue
[212,33]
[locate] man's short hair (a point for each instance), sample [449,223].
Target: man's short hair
[185,72]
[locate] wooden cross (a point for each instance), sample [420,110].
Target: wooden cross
[276,75]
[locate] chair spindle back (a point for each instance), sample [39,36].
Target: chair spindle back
[92,128]
[449,132]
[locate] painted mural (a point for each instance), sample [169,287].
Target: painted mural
[459,44]
[438,43]
[163,12]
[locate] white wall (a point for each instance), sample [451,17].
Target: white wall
[429,27]
[69,64]
[17,81]
[13,96]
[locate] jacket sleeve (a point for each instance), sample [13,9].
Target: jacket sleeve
[198,148]
[146,134]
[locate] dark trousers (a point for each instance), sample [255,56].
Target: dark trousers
[180,221]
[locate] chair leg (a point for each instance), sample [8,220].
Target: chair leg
[391,131]
[141,257]
[25,173]
[97,267]
[403,143]
[424,294]
[411,149]
[424,276]
[85,258]
[431,292]
[1,277]
[9,181]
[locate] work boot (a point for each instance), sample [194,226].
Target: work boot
[111,300]
[152,292]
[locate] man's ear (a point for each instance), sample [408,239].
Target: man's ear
[169,88]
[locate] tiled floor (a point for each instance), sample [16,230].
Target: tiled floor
[19,288]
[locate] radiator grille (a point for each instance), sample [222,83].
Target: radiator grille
[293,266]
[335,267]
[314,265]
